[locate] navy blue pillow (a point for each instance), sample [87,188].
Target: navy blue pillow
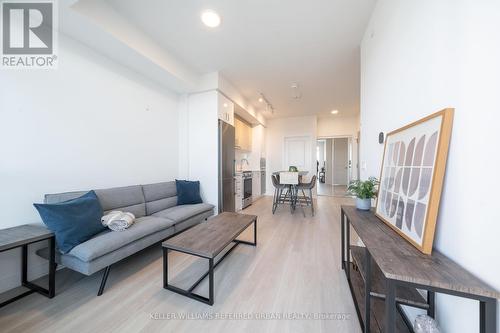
[74,221]
[188,192]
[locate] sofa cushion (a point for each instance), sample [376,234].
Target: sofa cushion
[60,197]
[73,221]
[184,212]
[109,241]
[127,199]
[159,196]
[188,192]
[181,226]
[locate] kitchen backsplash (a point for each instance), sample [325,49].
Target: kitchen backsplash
[253,163]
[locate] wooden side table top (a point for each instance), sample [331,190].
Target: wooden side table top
[208,239]
[24,234]
[399,260]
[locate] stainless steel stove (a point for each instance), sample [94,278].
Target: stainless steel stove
[247,188]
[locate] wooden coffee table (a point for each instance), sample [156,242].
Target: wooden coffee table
[207,240]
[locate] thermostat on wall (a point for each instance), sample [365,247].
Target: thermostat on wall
[381,137]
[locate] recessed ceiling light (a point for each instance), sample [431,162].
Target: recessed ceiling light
[210,18]
[225,105]
[261,99]
[334,111]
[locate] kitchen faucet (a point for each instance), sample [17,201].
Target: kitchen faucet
[241,163]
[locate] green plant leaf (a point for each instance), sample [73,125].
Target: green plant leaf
[364,189]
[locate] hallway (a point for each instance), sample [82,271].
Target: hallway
[332,190]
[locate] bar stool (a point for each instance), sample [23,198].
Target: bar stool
[290,179]
[278,192]
[307,199]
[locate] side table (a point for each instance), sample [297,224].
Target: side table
[22,236]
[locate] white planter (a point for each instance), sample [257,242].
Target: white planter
[363,204]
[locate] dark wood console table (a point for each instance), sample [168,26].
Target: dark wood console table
[386,272]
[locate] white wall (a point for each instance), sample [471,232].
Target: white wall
[183,139]
[88,124]
[98,24]
[203,144]
[276,132]
[419,57]
[338,126]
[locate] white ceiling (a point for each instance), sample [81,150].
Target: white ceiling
[266,45]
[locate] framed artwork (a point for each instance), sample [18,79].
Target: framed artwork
[411,178]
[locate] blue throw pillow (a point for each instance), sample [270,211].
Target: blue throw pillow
[188,192]
[74,221]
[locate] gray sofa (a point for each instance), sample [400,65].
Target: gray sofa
[157,217]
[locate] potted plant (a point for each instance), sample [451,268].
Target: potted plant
[364,192]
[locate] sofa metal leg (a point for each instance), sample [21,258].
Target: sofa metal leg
[103,281]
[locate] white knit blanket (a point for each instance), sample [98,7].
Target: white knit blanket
[117,220]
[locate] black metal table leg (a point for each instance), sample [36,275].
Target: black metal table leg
[368,281]
[342,238]
[50,290]
[292,198]
[431,311]
[487,316]
[165,268]
[255,232]
[348,249]
[52,267]
[390,307]
[210,281]
[254,243]
[24,264]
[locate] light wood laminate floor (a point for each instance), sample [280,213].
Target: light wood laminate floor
[332,190]
[294,270]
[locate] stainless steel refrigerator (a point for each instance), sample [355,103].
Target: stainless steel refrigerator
[226,167]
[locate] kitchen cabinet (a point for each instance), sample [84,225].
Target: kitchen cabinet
[243,135]
[256,186]
[258,147]
[225,109]
[238,192]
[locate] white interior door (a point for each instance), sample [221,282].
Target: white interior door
[340,161]
[298,153]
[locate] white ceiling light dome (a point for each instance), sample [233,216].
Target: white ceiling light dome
[210,18]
